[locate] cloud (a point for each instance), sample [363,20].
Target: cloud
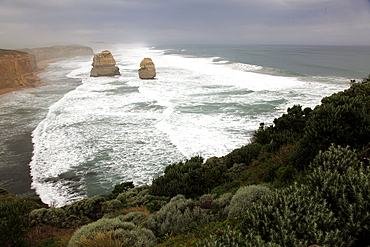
[190,21]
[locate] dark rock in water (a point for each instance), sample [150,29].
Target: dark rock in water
[104,65]
[147,69]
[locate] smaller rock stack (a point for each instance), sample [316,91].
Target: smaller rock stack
[147,69]
[104,65]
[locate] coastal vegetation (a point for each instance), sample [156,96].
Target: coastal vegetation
[301,181]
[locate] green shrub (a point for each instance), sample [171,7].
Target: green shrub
[14,222]
[294,216]
[177,215]
[243,155]
[344,183]
[287,129]
[88,209]
[192,178]
[134,197]
[244,197]
[120,188]
[51,242]
[155,203]
[51,216]
[111,206]
[140,219]
[342,119]
[126,232]
[232,238]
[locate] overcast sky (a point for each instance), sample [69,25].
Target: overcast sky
[30,23]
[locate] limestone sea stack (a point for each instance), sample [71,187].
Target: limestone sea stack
[104,65]
[147,69]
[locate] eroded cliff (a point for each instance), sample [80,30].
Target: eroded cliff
[15,69]
[18,67]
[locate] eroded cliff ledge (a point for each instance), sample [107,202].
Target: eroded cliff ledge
[15,69]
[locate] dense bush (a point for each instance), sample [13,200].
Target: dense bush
[222,202]
[14,222]
[243,155]
[120,188]
[287,129]
[89,209]
[344,183]
[342,119]
[140,219]
[230,238]
[125,232]
[191,179]
[51,216]
[111,206]
[293,217]
[177,215]
[244,197]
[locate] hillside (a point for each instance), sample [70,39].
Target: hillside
[302,181]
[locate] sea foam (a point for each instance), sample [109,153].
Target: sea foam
[115,129]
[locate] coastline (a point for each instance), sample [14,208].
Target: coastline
[42,66]
[15,173]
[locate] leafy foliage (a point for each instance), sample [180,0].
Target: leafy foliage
[51,216]
[287,129]
[243,155]
[191,179]
[14,222]
[232,238]
[177,215]
[125,232]
[344,183]
[244,198]
[292,217]
[120,188]
[342,119]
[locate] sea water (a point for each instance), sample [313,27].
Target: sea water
[206,100]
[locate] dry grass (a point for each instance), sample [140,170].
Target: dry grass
[106,239]
[40,233]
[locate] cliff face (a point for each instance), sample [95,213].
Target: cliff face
[15,69]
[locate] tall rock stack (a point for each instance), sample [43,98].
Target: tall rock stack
[104,65]
[147,69]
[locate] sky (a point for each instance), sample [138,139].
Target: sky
[35,23]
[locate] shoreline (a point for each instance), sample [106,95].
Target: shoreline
[42,66]
[15,173]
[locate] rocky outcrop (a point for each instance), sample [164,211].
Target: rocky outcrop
[147,69]
[56,52]
[104,65]
[15,69]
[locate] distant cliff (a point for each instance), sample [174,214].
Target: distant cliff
[17,66]
[58,51]
[15,69]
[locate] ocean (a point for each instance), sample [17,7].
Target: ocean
[89,134]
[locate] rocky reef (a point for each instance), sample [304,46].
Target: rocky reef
[104,65]
[147,69]
[15,69]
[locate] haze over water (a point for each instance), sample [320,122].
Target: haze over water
[205,100]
